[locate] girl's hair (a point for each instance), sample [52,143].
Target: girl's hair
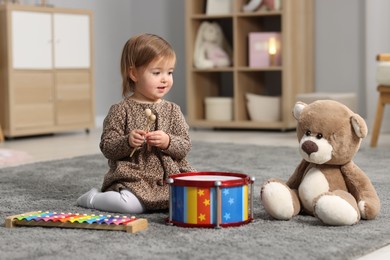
[138,52]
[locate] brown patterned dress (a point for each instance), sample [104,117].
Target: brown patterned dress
[145,172]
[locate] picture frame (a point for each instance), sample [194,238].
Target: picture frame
[259,52]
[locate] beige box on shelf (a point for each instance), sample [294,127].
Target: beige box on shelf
[348,99]
[219,108]
[219,7]
[263,108]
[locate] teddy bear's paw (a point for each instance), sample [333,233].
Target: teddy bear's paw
[369,208]
[277,200]
[204,64]
[221,63]
[362,209]
[335,211]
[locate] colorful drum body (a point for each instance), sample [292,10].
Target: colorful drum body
[210,199]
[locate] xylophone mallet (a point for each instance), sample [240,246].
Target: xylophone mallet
[151,119]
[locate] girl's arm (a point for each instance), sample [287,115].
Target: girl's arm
[114,142]
[179,139]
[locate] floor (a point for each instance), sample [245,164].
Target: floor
[66,145]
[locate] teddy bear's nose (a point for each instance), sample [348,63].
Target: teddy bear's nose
[309,147]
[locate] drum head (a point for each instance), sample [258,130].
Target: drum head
[209,179]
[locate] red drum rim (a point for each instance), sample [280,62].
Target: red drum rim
[186,225]
[243,179]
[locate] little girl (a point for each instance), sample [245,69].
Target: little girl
[141,159]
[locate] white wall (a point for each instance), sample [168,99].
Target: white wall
[348,35]
[168,22]
[114,23]
[339,37]
[111,30]
[377,41]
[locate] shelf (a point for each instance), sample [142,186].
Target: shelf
[243,124]
[220,69]
[258,13]
[293,76]
[230,16]
[273,68]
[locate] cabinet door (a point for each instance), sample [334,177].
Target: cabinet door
[32,103]
[72,41]
[74,98]
[31,40]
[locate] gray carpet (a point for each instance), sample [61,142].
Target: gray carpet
[56,185]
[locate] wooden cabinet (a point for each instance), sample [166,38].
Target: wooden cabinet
[294,21]
[46,72]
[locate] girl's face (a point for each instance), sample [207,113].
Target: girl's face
[153,81]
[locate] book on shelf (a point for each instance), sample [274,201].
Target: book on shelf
[265,49]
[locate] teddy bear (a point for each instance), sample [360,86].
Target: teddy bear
[327,184]
[211,48]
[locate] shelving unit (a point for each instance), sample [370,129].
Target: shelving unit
[46,70]
[296,74]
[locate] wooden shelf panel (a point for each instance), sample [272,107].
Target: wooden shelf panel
[295,75]
[250,69]
[235,124]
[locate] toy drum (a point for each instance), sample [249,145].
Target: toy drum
[210,199]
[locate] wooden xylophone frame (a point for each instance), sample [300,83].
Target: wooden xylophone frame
[132,227]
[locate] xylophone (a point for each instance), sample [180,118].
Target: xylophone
[77,220]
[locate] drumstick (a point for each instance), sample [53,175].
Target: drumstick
[151,118]
[148,113]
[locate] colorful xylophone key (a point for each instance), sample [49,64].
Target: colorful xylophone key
[77,220]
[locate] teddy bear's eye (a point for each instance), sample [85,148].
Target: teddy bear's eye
[308,133]
[319,136]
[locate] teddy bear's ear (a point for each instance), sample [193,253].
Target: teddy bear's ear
[218,33]
[359,126]
[299,106]
[198,42]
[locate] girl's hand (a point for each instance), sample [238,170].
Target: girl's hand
[158,138]
[136,138]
